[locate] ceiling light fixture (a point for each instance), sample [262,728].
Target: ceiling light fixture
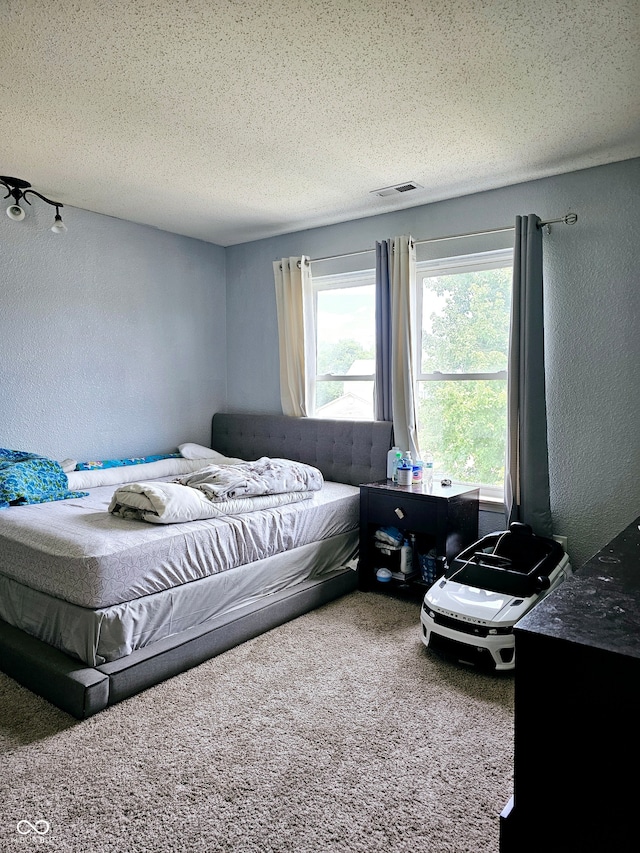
[18,190]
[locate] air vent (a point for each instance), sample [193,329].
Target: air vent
[408,186]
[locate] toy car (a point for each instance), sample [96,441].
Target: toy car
[469,613]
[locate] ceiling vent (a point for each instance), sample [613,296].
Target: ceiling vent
[406,187]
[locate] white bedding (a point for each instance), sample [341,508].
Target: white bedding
[217,490]
[82,480]
[173,503]
[77,551]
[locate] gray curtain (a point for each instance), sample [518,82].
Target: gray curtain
[394,391]
[382,402]
[526,486]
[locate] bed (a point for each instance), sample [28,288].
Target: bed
[96,608]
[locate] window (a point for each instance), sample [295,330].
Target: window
[463,339]
[344,312]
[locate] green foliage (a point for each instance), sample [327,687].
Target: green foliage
[337,358]
[463,423]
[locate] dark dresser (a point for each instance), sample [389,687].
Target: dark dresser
[577,712]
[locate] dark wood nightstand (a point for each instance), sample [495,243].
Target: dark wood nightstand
[444,518]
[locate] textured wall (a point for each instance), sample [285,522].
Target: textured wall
[112,336]
[592,320]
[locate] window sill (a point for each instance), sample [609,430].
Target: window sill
[488,504]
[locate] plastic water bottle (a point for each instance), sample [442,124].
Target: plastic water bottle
[391,461]
[405,470]
[396,463]
[427,471]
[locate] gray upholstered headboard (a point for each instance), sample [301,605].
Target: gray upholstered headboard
[345,451]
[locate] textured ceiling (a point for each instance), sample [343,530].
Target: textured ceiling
[232,121]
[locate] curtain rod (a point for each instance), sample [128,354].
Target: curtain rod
[569,219]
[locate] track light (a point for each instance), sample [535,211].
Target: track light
[58,226]
[15,212]
[18,190]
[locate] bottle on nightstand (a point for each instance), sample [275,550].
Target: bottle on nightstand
[427,473]
[405,470]
[392,461]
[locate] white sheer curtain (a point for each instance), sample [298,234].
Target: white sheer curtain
[400,347]
[294,305]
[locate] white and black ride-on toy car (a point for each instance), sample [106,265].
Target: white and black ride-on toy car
[469,612]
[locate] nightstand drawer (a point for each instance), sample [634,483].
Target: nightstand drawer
[402,511]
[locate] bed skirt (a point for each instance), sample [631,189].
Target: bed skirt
[99,636]
[83,691]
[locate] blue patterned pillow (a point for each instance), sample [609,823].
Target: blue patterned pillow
[26,478]
[118,463]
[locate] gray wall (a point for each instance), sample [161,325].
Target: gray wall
[113,336]
[114,342]
[592,321]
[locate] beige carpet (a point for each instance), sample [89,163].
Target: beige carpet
[336,732]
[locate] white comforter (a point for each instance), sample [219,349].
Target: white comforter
[217,490]
[173,503]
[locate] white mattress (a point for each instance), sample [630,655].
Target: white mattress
[76,551]
[108,634]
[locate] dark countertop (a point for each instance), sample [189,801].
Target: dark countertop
[599,605]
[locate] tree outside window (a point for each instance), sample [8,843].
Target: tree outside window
[345,345]
[462,332]
[462,389]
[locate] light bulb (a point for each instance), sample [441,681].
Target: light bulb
[15,212]
[58,226]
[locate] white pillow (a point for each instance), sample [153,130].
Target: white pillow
[69,465]
[136,473]
[198,451]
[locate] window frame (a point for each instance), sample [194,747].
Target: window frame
[492,497]
[452,265]
[338,281]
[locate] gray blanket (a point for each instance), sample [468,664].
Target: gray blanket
[249,479]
